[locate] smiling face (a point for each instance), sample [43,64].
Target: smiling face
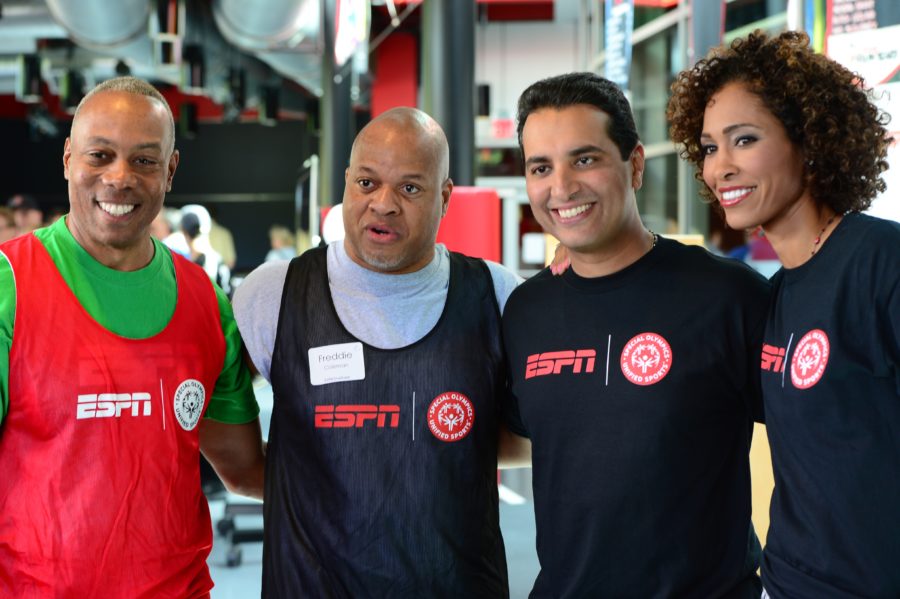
[580,189]
[754,170]
[396,192]
[119,162]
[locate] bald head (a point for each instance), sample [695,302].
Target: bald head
[397,190]
[405,125]
[138,87]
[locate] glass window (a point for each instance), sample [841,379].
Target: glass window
[658,198]
[499,162]
[651,76]
[741,13]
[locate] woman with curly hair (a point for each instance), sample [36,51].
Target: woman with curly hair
[787,139]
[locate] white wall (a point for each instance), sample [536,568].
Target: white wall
[511,56]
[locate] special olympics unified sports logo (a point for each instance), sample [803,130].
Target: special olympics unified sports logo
[189,398]
[646,359]
[450,416]
[810,359]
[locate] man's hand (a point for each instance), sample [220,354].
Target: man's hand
[561,260]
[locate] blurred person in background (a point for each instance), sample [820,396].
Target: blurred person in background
[221,240]
[8,228]
[200,250]
[28,213]
[283,244]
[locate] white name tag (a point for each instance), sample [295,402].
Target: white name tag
[336,363]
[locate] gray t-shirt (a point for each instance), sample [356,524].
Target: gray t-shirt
[383,310]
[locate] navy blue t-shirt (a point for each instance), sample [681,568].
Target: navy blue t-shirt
[638,391]
[831,383]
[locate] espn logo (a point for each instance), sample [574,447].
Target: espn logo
[553,362]
[772,358]
[357,416]
[112,405]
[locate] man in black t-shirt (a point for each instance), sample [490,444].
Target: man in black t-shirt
[633,375]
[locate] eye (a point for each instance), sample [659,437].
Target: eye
[410,189]
[146,161]
[365,183]
[97,155]
[541,169]
[585,160]
[744,140]
[707,149]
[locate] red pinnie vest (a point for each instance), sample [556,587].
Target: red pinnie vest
[99,451]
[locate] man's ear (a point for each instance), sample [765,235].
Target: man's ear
[67,153]
[173,164]
[446,191]
[637,167]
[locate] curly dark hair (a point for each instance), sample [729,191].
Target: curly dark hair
[825,109]
[572,89]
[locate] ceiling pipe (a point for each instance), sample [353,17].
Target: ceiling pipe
[269,24]
[282,33]
[100,22]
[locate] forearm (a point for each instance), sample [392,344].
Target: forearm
[237,454]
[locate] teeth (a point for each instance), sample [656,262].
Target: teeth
[116,209]
[571,212]
[734,194]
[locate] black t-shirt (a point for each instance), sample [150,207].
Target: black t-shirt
[831,382]
[638,391]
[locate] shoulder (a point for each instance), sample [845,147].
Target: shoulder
[505,282]
[263,285]
[868,251]
[541,286]
[876,231]
[721,275]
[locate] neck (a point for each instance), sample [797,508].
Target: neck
[799,234]
[125,259]
[630,247]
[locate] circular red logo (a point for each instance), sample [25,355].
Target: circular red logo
[450,416]
[810,359]
[646,359]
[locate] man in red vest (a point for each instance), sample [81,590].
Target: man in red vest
[118,362]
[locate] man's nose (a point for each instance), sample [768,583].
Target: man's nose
[118,175]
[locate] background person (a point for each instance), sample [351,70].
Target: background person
[282,242]
[801,155]
[202,253]
[384,355]
[221,240]
[111,352]
[27,211]
[633,375]
[8,228]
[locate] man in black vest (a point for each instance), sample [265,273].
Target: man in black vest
[384,355]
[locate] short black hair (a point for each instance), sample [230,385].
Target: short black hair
[570,89]
[190,225]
